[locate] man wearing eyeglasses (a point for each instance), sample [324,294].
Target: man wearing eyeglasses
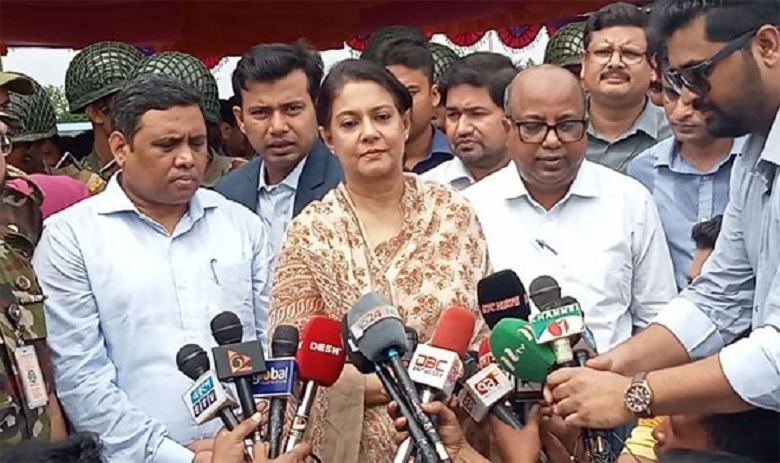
[28,406]
[725,56]
[616,73]
[551,212]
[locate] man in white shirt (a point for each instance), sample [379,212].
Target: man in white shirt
[472,91]
[135,273]
[551,212]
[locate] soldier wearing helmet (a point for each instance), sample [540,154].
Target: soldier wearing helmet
[93,77]
[565,46]
[443,57]
[34,149]
[28,407]
[192,71]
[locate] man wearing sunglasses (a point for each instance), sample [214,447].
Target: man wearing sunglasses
[725,55]
[28,406]
[617,72]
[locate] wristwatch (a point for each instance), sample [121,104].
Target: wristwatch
[639,396]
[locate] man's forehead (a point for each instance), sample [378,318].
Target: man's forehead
[184,120]
[619,35]
[689,44]
[466,94]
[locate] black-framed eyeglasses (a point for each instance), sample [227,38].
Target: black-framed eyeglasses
[569,131]
[6,145]
[696,78]
[625,55]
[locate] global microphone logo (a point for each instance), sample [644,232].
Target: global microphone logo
[239,363]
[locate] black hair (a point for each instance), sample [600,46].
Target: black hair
[705,234]
[751,434]
[385,34]
[146,93]
[274,61]
[407,52]
[487,70]
[226,114]
[614,15]
[77,448]
[725,19]
[358,70]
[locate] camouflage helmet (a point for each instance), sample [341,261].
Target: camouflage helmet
[565,45]
[36,112]
[97,71]
[190,70]
[386,34]
[443,57]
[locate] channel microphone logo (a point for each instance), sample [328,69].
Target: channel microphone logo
[239,363]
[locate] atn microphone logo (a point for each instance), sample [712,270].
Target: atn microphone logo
[239,363]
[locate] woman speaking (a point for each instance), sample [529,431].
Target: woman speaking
[419,244]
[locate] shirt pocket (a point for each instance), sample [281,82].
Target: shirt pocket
[232,287]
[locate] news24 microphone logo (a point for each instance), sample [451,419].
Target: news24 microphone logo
[278,380]
[205,397]
[557,323]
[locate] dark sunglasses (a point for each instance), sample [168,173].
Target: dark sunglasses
[696,78]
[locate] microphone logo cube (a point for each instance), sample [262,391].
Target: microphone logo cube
[279,380]
[557,323]
[434,367]
[205,397]
[202,396]
[238,360]
[488,387]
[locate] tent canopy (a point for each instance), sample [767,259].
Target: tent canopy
[229,27]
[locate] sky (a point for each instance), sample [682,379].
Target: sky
[48,66]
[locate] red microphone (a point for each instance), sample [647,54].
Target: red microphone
[454,330]
[485,354]
[320,360]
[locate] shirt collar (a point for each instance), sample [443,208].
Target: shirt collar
[771,150]
[668,155]
[439,144]
[649,122]
[585,184]
[291,181]
[114,199]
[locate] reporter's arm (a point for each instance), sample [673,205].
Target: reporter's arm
[518,445]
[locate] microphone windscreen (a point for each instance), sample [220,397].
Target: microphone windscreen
[454,330]
[285,341]
[321,354]
[356,358]
[226,328]
[376,327]
[192,360]
[502,295]
[516,351]
[544,291]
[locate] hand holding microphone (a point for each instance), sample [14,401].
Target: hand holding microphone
[229,446]
[449,428]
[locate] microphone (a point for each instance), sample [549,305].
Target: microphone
[486,358]
[366,367]
[412,339]
[484,354]
[206,398]
[558,323]
[544,290]
[514,346]
[320,363]
[487,388]
[502,295]
[377,329]
[278,383]
[237,361]
[436,367]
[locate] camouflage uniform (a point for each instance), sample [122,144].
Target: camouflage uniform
[21,312]
[96,72]
[192,71]
[565,46]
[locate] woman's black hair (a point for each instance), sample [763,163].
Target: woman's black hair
[356,70]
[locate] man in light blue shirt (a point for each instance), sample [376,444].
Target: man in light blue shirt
[726,55]
[688,175]
[137,272]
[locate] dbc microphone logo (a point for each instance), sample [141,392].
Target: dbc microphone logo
[239,363]
[426,362]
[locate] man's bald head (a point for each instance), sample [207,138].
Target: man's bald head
[541,80]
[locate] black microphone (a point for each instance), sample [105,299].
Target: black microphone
[206,398]
[367,367]
[544,291]
[283,344]
[379,334]
[237,361]
[502,295]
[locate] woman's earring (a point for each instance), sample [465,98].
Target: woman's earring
[406,136]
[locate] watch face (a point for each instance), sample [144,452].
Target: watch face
[638,398]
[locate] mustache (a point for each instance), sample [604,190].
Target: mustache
[615,73]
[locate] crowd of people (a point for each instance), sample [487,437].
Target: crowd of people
[636,166]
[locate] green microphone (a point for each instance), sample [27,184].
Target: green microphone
[516,351]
